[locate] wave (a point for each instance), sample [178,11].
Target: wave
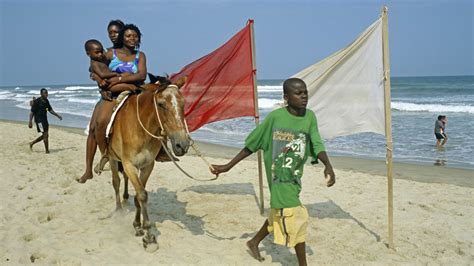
[76,88]
[269,88]
[37,92]
[432,108]
[6,96]
[60,110]
[265,103]
[221,130]
[75,100]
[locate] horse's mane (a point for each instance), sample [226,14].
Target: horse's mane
[163,81]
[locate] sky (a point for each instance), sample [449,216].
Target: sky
[42,41]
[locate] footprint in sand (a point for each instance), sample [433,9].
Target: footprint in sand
[46,217]
[70,191]
[51,203]
[37,256]
[30,237]
[65,183]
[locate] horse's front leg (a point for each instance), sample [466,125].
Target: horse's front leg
[141,198]
[149,240]
[136,223]
[132,171]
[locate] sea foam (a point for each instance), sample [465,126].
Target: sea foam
[76,88]
[432,108]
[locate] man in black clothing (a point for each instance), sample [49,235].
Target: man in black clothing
[39,108]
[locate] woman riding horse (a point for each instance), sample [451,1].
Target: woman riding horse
[126,59]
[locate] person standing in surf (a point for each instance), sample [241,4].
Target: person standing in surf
[439,131]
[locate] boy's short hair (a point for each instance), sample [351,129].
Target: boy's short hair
[42,90]
[440,117]
[116,22]
[91,42]
[289,83]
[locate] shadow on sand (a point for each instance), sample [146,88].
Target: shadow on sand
[163,205]
[320,210]
[331,210]
[161,201]
[227,189]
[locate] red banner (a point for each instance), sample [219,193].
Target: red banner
[220,84]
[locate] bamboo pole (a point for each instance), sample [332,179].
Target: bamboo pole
[388,122]
[257,116]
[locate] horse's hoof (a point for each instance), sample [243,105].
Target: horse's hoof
[150,248]
[150,244]
[139,232]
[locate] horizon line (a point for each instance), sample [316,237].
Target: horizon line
[92,84]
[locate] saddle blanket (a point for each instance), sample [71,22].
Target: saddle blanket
[121,99]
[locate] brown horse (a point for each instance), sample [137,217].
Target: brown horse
[141,127]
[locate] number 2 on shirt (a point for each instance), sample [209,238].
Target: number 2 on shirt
[288,162]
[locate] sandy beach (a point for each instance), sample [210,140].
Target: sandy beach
[47,217]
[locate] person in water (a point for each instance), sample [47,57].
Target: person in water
[439,131]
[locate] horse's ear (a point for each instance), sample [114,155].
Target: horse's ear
[181,81]
[153,78]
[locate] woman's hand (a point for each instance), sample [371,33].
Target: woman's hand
[114,81]
[103,83]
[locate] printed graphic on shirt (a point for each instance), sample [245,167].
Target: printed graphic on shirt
[289,149]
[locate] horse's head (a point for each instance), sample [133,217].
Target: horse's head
[170,105]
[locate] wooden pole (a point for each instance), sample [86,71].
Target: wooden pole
[257,116]
[388,122]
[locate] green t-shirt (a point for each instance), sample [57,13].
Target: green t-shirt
[287,141]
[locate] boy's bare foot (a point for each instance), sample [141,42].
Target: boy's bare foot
[253,249]
[84,178]
[47,152]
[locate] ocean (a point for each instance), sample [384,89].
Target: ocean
[416,103]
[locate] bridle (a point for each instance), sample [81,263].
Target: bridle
[161,138]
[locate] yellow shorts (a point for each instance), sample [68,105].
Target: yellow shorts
[288,225]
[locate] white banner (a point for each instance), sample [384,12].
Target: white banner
[346,89]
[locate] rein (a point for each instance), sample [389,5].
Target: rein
[164,144]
